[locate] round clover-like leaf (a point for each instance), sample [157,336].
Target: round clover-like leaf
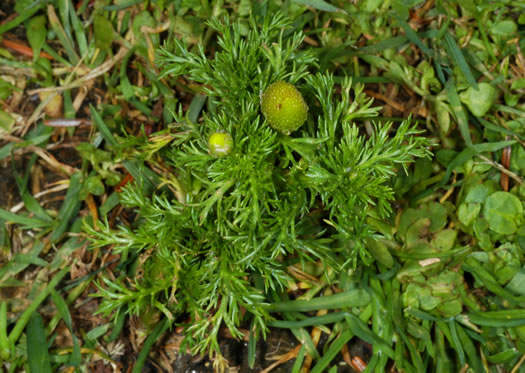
[479,99]
[503,211]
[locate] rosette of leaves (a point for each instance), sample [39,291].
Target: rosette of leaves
[438,294]
[228,227]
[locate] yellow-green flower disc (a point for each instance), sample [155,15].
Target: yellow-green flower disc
[283,107]
[220,144]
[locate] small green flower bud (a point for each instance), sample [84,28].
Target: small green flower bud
[283,107]
[220,144]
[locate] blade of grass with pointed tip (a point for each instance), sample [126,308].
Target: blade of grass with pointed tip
[414,353]
[69,207]
[413,37]
[470,349]
[37,352]
[360,330]
[365,80]
[6,150]
[483,33]
[101,126]
[499,129]
[352,298]
[111,202]
[63,11]
[27,223]
[143,175]
[333,350]
[305,338]
[486,278]
[458,59]
[61,35]
[161,327]
[122,5]
[390,43]
[66,316]
[41,297]
[118,325]
[26,14]
[487,319]
[459,111]
[252,346]
[30,202]
[71,296]
[510,110]
[20,262]
[465,155]
[329,318]
[318,4]
[457,345]
[79,30]
[55,55]
[195,107]
[299,360]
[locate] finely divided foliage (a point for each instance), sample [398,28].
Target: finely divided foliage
[217,236]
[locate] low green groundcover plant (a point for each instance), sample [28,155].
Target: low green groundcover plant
[243,201]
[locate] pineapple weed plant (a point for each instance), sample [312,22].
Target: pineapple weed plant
[217,235]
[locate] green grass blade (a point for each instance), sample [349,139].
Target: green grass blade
[61,35]
[457,343]
[329,318]
[19,263]
[299,360]
[332,352]
[5,350]
[458,59]
[119,325]
[6,150]
[29,223]
[30,202]
[24,318]
[122,5]
[37,353]
[161,327]
[413,37]
[319,5]
[69,208]
[483,32]
[305,338]
[63,9]
[414,353]
[252,346]
[352,298]
[80,34]
[26,14]
[499,129]
[360,329]
[485,319]
[195,107]
[66,316]
[482,275]
[464,156]
[101,126]
[470,350]
[459,112]
[390,43]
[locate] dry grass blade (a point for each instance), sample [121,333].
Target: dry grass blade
[93,74]
[283,359]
